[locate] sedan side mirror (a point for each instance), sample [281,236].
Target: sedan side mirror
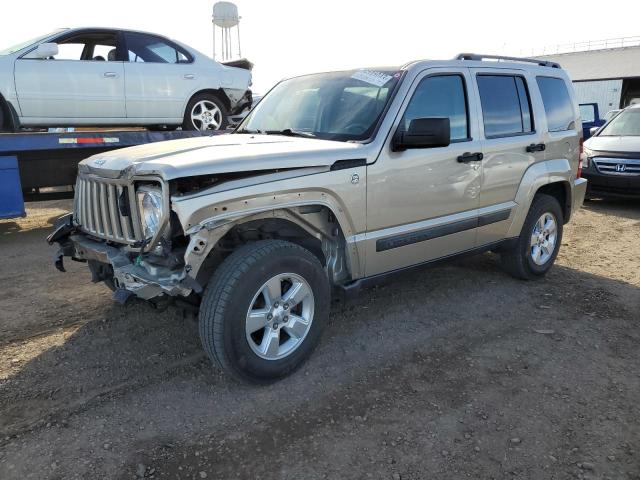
[46,50]
[423,133]
[593,130]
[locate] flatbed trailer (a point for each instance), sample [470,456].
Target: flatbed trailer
[37,166]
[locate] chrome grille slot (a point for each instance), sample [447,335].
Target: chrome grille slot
[96,210]
[618,166]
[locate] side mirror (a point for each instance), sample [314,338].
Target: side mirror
[46,50]
[422,133]
[593,130]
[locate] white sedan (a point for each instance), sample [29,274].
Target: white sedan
[102,77]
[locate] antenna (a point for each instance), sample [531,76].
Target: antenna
[225,18]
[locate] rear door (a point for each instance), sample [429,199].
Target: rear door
[82,82]
[160,77]
[511,143]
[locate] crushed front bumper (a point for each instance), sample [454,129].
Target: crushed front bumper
[131,273]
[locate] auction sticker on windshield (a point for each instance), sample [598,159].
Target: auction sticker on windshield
[372,77]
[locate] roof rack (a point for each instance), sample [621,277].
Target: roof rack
[479,57]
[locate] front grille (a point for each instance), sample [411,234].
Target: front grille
[97,212]
[617,166]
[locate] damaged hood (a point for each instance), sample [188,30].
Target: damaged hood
[220,154]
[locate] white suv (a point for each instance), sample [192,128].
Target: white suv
[97,76]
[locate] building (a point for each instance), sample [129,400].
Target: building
[605,72]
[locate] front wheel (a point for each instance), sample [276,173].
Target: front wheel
[205,112]
[264,310]
[539,241]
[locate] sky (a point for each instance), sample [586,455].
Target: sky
[284,38]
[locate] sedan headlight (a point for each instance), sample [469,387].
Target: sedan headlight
[151,208]
[586,157]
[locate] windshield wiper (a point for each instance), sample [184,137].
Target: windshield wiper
[290,133]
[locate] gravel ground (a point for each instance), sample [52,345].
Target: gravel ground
[454,372]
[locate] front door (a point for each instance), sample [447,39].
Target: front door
[422,203]
[84,81]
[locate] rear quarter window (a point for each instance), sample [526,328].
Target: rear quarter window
[557,103]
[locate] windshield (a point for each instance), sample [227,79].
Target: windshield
[20,46]
[333,106]
[626,123]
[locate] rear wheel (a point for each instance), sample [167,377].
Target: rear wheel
[205,112]
[264,310]
[539,241]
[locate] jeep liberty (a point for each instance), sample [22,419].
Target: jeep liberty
[334,181]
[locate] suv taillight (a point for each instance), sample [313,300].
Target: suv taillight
[579,172]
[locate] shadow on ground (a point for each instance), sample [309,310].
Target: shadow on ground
[450,372]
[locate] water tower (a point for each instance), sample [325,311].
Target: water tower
[226,20]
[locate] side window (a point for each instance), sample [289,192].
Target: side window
[557,103]
[91,47]
[150,49]
[506,108]
[70,51]
[441,96]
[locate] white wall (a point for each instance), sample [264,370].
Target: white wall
[606,93]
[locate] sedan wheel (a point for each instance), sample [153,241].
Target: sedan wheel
[206,115]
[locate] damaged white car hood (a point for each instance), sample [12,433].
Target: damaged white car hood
[219,154]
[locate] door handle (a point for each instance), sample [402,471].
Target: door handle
[467,157]
[110,74]
[189,76]
[536,147]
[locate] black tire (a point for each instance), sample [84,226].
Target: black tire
[228,297]
[518,261]
[187,123]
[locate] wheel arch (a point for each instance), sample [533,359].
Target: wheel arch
[217,92]
[552,177]
[311,226]
[9,114]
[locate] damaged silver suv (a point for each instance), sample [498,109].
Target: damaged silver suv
[334,181]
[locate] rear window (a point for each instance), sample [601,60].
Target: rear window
[588,113]
[506,109]
[557,103]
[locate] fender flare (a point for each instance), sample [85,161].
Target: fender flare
[536,176]
[207,223]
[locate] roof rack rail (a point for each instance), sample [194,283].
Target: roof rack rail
[479,57]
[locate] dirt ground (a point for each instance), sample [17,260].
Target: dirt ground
[454,372]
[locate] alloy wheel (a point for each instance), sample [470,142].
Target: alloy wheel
[279,316]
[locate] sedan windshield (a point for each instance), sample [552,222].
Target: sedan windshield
[626,123]
[333,106]
[33,41]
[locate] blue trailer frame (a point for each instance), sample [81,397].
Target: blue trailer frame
[30,162]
